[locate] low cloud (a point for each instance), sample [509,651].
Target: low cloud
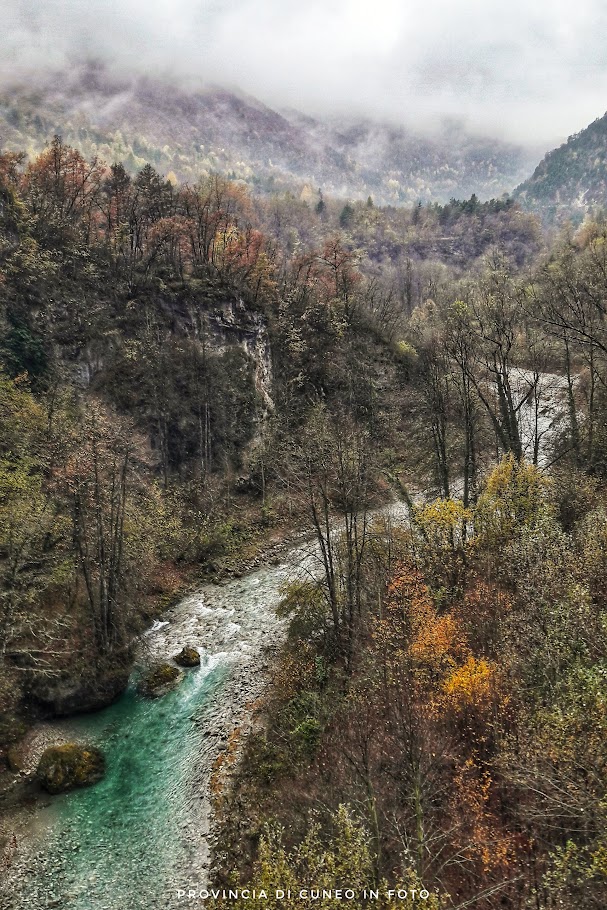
[528,72]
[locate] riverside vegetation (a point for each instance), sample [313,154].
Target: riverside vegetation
[186,368]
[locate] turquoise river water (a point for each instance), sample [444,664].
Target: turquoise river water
[132,840]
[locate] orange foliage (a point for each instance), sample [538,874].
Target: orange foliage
[10,163]
[437,640]
[243,248]
[171,236]
[338,273]
[483,840]
[61,180]
[432,640]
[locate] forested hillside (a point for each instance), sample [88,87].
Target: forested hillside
[157,345]
[189,369]
[189,133]
[571,181]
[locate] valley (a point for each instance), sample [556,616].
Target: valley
[236,344]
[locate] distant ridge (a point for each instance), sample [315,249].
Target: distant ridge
[189,132]
[570,180]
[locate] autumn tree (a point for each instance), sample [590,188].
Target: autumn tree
[333,468]
[63,191]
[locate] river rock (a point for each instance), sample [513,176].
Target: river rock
[159,680]
[82,690]
[187,657]
[69,766]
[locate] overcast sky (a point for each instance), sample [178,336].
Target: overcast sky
[533,70]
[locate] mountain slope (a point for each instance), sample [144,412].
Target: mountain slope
[192,132]
[571,179]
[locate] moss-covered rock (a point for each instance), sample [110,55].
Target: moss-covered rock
[187,657]
[63,768]
[159,680]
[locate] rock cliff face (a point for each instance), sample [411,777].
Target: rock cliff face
[235,324]
[223,323]
[218,324]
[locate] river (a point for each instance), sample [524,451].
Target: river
[131,841]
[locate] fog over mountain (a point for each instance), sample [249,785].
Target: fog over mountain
[187,134]
[530,73]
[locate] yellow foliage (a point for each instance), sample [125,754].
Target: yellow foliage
[313,870]
[472,684]
[514,497]
[405,350]
[511,477]
[442,516]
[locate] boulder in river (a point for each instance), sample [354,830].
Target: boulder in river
[187,657]
[82,689]
[66,767]
[159,680]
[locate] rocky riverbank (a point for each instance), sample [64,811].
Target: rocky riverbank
[234,627]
